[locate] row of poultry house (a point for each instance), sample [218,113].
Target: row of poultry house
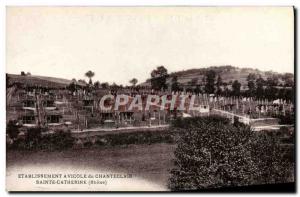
[59,108]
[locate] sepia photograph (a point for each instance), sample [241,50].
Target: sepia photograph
[150,99]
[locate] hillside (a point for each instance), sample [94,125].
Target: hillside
[43,81]
[185,77]
[227,73]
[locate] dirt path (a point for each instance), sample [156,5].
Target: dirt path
[149,164]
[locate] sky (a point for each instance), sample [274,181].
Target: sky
[121,43]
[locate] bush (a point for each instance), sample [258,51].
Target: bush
[60,140]
[145,137]
[12,129]
[87,144]
[34,140]
[273,161]
[33,137]
[286,119]
[197,121]
[213,153]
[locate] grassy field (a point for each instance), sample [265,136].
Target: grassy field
[149,162]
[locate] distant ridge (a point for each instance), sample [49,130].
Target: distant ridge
[185,77]
[228,74]
[36,80]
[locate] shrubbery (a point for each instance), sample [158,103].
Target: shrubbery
[286,119]
[12,129]
[213,153]
[34,140]
[60,140]
[135,138]
[274,162]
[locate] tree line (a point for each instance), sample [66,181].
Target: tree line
[212,83]
[82,84]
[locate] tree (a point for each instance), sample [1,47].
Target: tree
[197,90]
[272,81]
[90,75]
[82,81]
[282,93]
[72,87]
[133,81]
[158,78]
[97,85]
[260,87]
[211,153]
[226,91]
[23,73]
[290,94]
[175,84]
[271,89]
[251,84]
[194,82]
[105,85]
[236,88]
[219,84]
[114,86]
[288,79]
[210,82]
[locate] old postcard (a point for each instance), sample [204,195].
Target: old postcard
[150,99]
